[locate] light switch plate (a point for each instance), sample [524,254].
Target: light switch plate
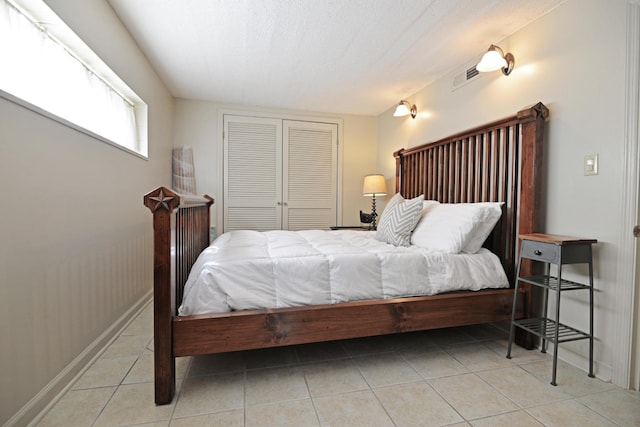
[591,164]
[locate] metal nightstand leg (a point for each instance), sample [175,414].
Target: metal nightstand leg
[555,332]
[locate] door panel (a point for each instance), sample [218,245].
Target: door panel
[310,153]
[252,173]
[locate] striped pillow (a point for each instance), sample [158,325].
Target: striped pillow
[398,220]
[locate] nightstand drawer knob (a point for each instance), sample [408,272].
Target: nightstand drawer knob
[537,252]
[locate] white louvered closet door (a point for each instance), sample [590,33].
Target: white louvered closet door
[279,174]
[310,170]
[252,173]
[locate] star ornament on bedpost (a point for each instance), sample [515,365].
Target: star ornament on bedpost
[374,185]
[161,198]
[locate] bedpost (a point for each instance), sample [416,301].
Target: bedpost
[532,122]
[398,157]
[162,203]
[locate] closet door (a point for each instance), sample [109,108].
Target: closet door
[252,173]
[310,171]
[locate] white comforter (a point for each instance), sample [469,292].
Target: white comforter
[249,270]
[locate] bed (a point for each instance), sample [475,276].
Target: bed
[497,162]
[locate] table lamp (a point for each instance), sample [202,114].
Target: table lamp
[374,185]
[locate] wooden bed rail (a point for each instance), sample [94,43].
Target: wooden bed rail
[180,228]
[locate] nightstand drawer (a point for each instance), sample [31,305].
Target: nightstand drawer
[539,251]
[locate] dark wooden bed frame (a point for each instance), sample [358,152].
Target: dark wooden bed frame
[500,161]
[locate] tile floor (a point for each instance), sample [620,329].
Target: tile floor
[452,377]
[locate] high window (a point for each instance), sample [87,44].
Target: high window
[47,68]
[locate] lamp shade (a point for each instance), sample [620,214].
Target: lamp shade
[404,109]
[401,110]
[491,61]
[496,59]
[374,185]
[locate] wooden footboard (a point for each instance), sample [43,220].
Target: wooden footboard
[501,161]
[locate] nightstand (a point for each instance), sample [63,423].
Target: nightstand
[558,250]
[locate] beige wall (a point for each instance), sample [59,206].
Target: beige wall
[573,60]
[198,124]
[76,252]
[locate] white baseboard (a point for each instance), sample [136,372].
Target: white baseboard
[600,370]
[31,413]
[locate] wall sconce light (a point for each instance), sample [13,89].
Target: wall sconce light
[496,59]
[374,185]
[404,109]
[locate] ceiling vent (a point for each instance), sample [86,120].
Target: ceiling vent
[469,74]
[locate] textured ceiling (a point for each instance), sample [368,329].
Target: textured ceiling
[339,56]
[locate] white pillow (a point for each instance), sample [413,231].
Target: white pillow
[398,220]
[456,227]
[426,205]
[492,211]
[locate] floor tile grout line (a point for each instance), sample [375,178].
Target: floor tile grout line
[178,391]
[245,384]
[446,400]
[386,411]
[605,416]
[499,391]
[527,408]
[129,370]
[115,390]
[117,387]
[313,403]
[528,411]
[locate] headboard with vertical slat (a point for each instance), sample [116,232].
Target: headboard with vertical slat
[490,163]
